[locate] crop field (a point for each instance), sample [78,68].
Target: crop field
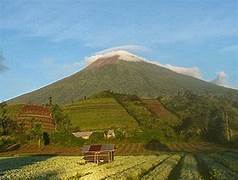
[99,113]
[163,166]
[160,111]
[25,114]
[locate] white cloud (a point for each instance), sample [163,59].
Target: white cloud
[121,50]
[189,71]
[221,79]
[110,51]
[129,47]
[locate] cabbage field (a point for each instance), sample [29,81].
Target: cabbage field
[223,165]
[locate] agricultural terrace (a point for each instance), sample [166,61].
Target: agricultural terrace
[154,106]
[221,165]
[99,113]
[28,114]
[38,114]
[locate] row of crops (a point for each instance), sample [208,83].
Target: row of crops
[163,166]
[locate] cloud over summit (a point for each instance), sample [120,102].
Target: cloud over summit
[122,51]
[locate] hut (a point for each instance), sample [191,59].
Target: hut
[84,135]
[97,153]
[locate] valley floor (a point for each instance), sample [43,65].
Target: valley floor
[223,165]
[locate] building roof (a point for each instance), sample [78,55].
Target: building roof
[95,147]
[98,148]
[82,134]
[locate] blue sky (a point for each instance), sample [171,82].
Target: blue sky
[42,41]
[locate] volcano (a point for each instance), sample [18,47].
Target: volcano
[121,72]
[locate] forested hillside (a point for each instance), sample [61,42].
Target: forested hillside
[210,117]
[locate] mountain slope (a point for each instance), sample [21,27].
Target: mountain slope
[126,74]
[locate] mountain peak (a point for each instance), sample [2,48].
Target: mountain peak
[113,56]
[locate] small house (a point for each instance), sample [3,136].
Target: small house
[98,153]
[84,135]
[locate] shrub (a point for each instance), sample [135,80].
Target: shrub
[96,137]
[156,145]
[65,139]
[120,134]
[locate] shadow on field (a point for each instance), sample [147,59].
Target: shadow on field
[155,145]
[17,162]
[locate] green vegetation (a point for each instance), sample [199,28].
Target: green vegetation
[163,166]
[96,137]
[65,139]
[136,109]
[214,169]
[99,113]
[4,119]
[151,125]
[15,131]
[8,127]
[169,119]
[184,117]
[203,117]
[13,110]
[61,121]
[165,116]
[36,133]
[189,169]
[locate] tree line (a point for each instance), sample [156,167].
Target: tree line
[10,127]
[203,116]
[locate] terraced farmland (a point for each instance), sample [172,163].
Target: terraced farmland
[99,113]
[26,115]
[163,166]
[154,106]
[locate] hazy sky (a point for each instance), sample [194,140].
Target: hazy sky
[44,40]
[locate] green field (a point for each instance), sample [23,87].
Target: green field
[163,166]
[99,113]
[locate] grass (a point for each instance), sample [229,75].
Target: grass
[99,113]
[13,110]
[136,109]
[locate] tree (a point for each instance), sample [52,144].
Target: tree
[61,120]
[36,132]
[96,137]
[218,126]
[120,134]
[4,118]
[205,116]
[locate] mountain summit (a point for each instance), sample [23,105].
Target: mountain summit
[121,72]
[112,57]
